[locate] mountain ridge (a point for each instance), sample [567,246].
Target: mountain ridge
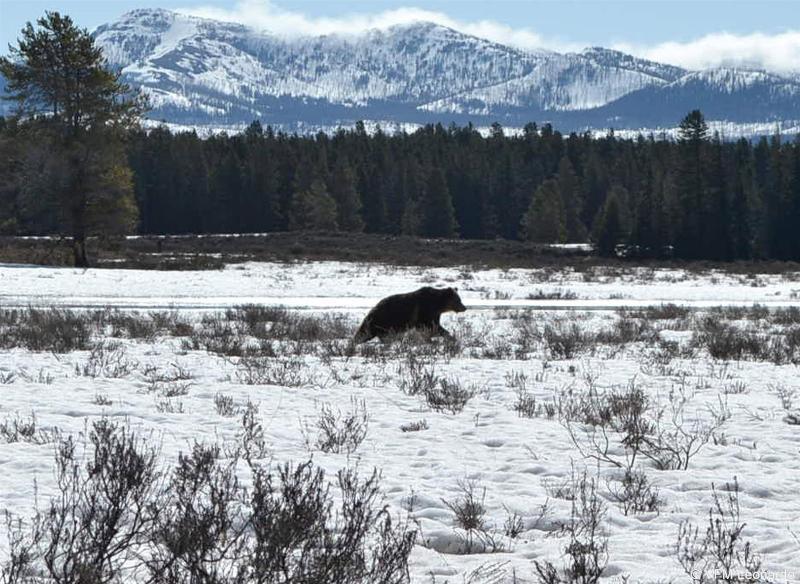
[210,74]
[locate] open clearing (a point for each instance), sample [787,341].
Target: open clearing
[530,405]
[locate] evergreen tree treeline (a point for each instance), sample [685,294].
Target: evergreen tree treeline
[697,197]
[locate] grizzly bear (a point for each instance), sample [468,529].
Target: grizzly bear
[415,310]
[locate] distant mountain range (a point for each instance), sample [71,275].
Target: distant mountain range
[209,74]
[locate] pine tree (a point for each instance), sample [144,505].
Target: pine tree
[692,138]
[348,202]
[544,220]
[74,107]
[313,209]
[608,230]
[572,199]
[437,213]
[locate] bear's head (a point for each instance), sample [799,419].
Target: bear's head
[453,300]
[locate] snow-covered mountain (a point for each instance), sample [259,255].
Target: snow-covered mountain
[201,72]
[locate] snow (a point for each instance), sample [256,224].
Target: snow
[302,284]
[513,458]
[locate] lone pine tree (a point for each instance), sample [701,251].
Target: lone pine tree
[73,115]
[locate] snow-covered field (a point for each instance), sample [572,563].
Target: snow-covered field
[740,411]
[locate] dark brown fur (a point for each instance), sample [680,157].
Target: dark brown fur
[420,309]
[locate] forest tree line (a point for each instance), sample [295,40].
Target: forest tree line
[697,197]
[74,161]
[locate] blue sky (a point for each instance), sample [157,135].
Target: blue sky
[687,32]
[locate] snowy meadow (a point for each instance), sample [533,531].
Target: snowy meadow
[604,425]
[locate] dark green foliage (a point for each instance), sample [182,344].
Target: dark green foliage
[696,197]
[544,220]
[608,228]
[69,170]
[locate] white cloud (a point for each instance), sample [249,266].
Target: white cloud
[776,52]
[268,16]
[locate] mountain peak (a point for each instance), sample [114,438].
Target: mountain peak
[202,72]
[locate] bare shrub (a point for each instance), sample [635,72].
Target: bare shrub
[225,405]
[725,341]
[513,526]
[634,493]
[338,431]
[449,396]
[628,330]
[106,359]
[102,399]
[668,311]
[565,340]
[174,382]
[468,508]
[169,406]
[720,554]
[19,429]
[252,439]
[414,426]
[587,549]
[52,329]
[103,509]
[469,512]
[216,335]
[117,517]
[417,375]
[298,537]
[198,532]
[259,370]
[281,324]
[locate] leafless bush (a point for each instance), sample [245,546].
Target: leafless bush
[557,294]
[559,489]
[587,549]
[281,324]
[725,341]
[168,383]
[7,377]
[216,335]
[169,406]
[89,531]
[667,311]
[634,493]
[565,340]
[468,508]
[627,330]
[117,517]
[102,399]
[526,331]
[668,441]
[448,395]
[106,359]
[134,325]
[198,532]
[225,405]
[415,426]
[338,431]
[735,388]
[297,536]
[18,429]
[721,554]
[20,564]
[417,374]
[52,329]
[252,440]
[513,526]
[283,371]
